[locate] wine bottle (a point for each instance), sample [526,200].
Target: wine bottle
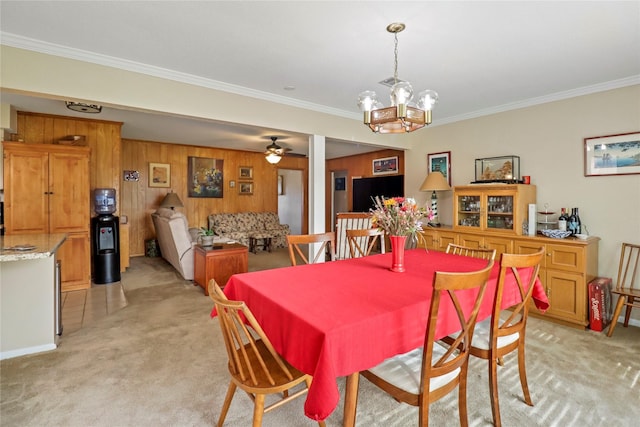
[572,224]
[578,223]
[562,220]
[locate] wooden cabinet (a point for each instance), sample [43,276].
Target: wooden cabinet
[500,244]
[437,239]
[496,208]
[218,262]
[47,191]
[568,266]
[124,247]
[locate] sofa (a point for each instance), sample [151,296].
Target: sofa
[176,240]
[239,226]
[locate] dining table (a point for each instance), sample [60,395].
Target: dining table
[335,319]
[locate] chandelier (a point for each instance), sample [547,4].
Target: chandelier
[404,115]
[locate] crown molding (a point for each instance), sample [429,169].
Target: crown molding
[558,96]
[40,46]
[26,43]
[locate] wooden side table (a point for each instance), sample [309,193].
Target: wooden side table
[218,262]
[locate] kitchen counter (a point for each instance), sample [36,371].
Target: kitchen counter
[27,293]
[17,247]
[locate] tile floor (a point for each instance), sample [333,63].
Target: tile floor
[80,308]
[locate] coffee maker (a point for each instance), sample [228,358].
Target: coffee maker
[105,237]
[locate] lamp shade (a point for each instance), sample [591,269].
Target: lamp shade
[273,158]
[171,200]
[435,181]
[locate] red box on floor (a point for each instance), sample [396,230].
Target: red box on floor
[599,303]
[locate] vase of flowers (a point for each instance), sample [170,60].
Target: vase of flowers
[399,217]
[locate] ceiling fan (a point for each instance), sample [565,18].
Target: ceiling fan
[274,152]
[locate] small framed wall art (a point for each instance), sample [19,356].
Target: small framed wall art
[246,172]
[385,165]
[245,188]
[440,162]
[159,175]
[612,155]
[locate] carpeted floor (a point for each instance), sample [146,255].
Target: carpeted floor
[160,361]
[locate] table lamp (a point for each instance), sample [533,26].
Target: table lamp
[171,200]
[435,181]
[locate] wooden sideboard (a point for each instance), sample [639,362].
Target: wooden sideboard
[569,265]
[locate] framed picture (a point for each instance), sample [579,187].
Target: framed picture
[204,177]
[612,154]
[440,162]
[340,184]
[246,172]
[385,165]
[280,185]
[159,175]
[245,188]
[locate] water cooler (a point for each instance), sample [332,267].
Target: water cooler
[105,237]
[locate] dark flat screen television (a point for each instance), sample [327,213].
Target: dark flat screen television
[366,188]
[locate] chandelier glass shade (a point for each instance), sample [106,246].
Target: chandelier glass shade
[404,114]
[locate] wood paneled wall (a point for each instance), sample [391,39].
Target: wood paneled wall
[110,156]
[358,166]
[103,137]
[139,201]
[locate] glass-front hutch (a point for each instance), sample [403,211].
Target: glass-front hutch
[500,208]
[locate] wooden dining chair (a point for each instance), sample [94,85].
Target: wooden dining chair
[472,252]
[430,372]
[499,335]
[627,287]
[298,242]
[349,221]
[362,241]
[254,365]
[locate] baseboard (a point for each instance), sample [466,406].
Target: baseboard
[28,350]
[632,322]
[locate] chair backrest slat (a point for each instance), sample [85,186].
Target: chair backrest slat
[471,252]
[523,268]
[628,269]
[362,241]
[297,242]
[349,221]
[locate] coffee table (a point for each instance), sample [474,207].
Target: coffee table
[260,235]
[219,262]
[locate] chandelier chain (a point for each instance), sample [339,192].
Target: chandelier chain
[395,63]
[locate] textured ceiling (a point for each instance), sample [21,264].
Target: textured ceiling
[481,57]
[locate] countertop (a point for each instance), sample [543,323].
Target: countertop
[43,246]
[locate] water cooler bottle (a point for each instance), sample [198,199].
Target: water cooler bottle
[105,237]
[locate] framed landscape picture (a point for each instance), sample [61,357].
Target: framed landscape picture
[385,165]
[204,177]
[612,154]
[440,162]
[159,175]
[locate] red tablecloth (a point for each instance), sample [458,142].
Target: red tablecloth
[333,319]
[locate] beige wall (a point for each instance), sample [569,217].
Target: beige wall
[549,140]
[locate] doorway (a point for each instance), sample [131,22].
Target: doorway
[291,199]
[339,200]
